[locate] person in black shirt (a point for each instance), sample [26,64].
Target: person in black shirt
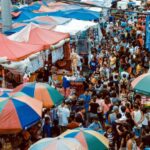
[93,108]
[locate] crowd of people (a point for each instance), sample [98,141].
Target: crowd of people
[108,104]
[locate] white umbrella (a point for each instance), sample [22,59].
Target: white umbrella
[58,143]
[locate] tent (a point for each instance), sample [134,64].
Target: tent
[33,34]
[74,26]
[16,51]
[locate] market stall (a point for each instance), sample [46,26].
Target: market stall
[80,32]
[32,33]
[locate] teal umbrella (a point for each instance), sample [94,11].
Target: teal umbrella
[141,84]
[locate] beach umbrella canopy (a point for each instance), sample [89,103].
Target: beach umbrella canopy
[141,84]
[57,144]
[41,91]
[18,112]
[90,140]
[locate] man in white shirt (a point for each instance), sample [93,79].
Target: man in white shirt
[63,115]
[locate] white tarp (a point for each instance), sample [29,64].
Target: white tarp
[102,3]
[74,26]
[97,9]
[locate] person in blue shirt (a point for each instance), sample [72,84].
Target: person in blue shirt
[47,130]
[86,98]
[93,65]
[95,125]
[123,24]
[65,84]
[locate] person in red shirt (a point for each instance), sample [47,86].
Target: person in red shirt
[73,124]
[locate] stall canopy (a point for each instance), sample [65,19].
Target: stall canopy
[33,34]
[15,51]
[74,26]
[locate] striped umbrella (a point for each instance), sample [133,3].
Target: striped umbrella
[142,84]
[57,144]
[90,140]
[41,91]
[18,112]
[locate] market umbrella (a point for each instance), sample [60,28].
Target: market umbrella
[41,91]
[57,144]
[90,140]
[141,84]
[18,112]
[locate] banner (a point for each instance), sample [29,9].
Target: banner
[148,32]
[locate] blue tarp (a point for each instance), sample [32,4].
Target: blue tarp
[25,15]
[147,43]
[35,6]
[12,31]
[80,14]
